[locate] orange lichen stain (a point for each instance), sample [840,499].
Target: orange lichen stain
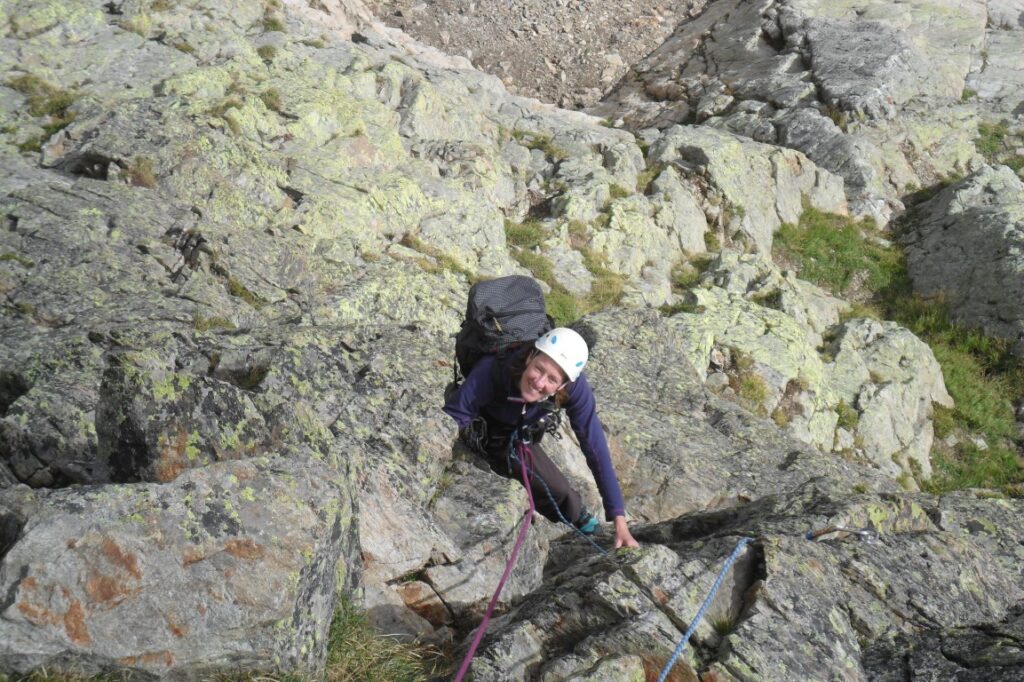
[659,594]
[172,460]
[106,589]
[72,543]
[74,624]
[192,555]
[116,556]
[151,658]
[244,549]
[73,619]
[176,628]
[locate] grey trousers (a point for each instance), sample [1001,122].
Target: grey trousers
[551,490]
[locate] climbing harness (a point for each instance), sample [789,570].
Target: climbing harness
[551,498]
[865,534]
[703,607]
[526,457]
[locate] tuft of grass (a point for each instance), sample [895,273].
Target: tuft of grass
[848,416]
[184,46]
[203,324]
[752,388]
[267,52]
[272,99]
[616,192]
[239,290]
[562,307]
[723,625]
[355,651]
[441,261]
[646,177]
[17,258]
[967,95]
[271,22]
[711,242]
[528,234]
[140,172]
[991,139]
[540,142]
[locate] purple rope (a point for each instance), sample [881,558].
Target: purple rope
[526,463]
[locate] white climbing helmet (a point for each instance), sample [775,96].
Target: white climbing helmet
[567,348]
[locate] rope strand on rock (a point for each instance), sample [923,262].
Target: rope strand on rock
[526,457]
[703,608]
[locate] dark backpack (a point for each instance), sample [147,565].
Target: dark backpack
[501,315]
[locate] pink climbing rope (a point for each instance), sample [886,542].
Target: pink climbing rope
[525,465]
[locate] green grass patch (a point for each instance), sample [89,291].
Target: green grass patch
[646,177]
[204,324]
[184,46]
[991,139]
[239,290]
[272,22]
[832,251]
[967,95]
[848,416]
[606,288]
[527,234]
[616,192]
[980,372]
[17,258]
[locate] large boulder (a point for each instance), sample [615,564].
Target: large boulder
[161,578]
[965,245]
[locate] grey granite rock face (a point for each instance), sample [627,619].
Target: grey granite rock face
[966,245]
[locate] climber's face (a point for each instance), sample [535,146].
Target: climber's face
[541,378]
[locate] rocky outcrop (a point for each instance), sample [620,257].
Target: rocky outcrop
[789,608]
[758,337]
[965,246]
[845,85]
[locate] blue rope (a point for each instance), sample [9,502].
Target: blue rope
[551,498]
[704,607]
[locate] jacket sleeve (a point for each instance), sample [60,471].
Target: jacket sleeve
[582,412]
[465,403]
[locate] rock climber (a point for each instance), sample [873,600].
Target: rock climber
[524,389]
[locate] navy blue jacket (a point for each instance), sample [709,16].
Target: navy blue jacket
[481,394]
